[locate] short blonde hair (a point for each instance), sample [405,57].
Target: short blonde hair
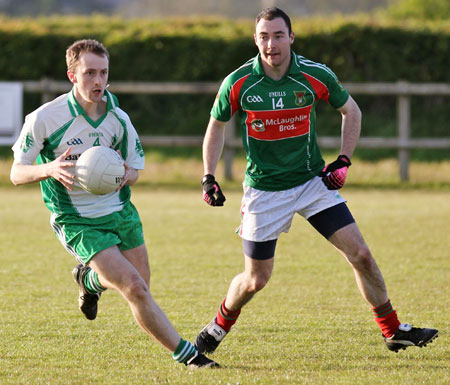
[86,45]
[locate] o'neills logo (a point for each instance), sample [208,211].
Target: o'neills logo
[299,98]
[258,125]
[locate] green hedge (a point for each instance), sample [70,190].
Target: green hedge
[195,50]
[208,49]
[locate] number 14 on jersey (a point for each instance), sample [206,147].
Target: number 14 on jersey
[277,103]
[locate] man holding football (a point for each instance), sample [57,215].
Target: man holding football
[274,95]
[103,232]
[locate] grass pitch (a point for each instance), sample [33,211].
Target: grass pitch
[308,326]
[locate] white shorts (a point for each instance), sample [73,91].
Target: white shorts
[265,214]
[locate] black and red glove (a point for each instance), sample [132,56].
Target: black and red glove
[334,174]
[212,194]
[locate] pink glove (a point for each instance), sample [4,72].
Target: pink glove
[334,174]
[212,194]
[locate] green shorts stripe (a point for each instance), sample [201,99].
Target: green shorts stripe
[85,237]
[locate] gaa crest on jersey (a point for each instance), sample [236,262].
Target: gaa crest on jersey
[74,142]
[300,99]
[258,125]
[27,142]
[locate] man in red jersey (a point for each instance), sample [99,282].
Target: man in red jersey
[274,95]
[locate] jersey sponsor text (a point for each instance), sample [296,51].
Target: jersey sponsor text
[279,124]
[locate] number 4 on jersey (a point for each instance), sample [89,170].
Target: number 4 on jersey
[97,142]
[278,104]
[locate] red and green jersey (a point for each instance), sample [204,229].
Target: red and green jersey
[277,119]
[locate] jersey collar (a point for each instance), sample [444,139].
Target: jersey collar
[76,109]
[258,70]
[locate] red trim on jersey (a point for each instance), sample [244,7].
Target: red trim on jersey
[234,94]
[278,124]
[320,89]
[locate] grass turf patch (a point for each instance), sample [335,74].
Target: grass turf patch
[308,326]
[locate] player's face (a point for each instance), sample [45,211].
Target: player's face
[90,77]
[274,42]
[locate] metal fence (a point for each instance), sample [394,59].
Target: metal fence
[402,90]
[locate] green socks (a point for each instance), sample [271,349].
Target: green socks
[91,283]
[183,352]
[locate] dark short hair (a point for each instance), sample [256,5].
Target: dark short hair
[273,13]
[86,45]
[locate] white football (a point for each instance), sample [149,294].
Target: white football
[100,170]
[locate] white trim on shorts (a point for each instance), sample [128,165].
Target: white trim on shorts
[266,214]
[61,235]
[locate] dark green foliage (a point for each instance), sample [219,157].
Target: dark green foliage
[368,53]
[197,49]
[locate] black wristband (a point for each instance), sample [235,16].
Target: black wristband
[208,178]
[346,158]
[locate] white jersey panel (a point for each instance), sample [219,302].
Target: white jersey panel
[53,128]
[135,153]
[38,126]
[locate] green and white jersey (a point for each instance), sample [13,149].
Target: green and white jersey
[277,119]
[51,129]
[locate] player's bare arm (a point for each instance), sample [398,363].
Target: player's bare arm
[335,173]
[24,173]
[351,126]
[130,177]
[212,149]
[213,145]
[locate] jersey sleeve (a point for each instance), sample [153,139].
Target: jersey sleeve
[134,153]
[222,109]
[30,141]
[338,95]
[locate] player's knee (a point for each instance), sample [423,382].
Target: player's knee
[257,282]
[361,258]
[135,288]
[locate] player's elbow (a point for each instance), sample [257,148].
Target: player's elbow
[15,180]
[17,176]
